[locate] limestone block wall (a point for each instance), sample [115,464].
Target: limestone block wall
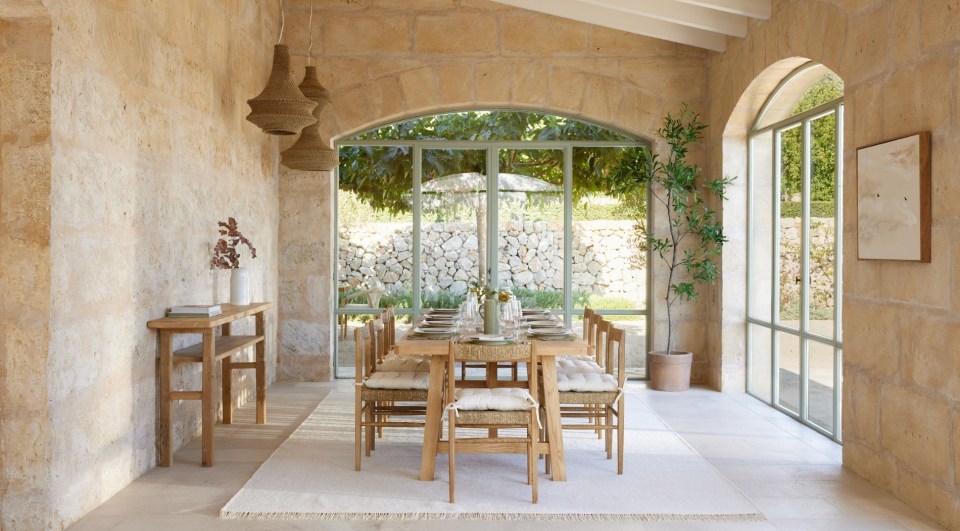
[25,264]
[386,61]
[114,222]
[901,325]
[606,259]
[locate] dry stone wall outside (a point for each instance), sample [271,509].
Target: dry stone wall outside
[606,259]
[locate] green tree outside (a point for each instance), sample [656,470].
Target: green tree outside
[823,145]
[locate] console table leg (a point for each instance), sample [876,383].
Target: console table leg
[165,426]
[261,373]
[208,403]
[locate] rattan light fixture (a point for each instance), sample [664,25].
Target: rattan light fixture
[311,151]
[281,109]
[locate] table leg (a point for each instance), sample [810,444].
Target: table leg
[261,372]
[431,432]
[226,382]
[551,399]
[208,403]
[165,427]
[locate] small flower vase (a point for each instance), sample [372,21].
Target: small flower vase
[491,316]
[240,286]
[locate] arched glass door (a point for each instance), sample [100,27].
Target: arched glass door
[794,348]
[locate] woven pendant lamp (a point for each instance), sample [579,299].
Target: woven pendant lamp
[281,109]
[311,151]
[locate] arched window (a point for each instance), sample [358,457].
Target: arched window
[428,206]
[795,217]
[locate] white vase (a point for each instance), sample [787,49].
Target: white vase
[240,286]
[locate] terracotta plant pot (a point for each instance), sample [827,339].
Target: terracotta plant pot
[670,371]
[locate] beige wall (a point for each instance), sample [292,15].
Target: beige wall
[142,107]
[901,375]
[25,264]
[384,61]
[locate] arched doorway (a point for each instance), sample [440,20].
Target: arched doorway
[429,207]
[794,247]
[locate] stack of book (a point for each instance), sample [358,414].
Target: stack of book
[195,310]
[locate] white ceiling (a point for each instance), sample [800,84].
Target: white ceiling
[700,23]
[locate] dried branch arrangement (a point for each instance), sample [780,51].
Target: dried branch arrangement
[225,255]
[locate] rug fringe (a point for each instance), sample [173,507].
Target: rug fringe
[568,517]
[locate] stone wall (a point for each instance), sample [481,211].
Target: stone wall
[25,263]
[901,324]
[605,257]
[387,61]
[114,222]
[821,262]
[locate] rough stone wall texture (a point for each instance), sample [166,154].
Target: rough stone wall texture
[25,263]
[604,256]
[149,148]
[386,61]
[901,374]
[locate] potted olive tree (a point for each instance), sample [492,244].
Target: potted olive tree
[690,237]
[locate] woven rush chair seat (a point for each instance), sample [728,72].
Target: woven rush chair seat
[493,407]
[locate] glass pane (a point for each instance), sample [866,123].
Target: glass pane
[530,226]
[375,227]
[609,262]
[823,170]
[762,225]
[788,378]
[820,385]
[812,87]
[453,224]
[790,146]
[761,355]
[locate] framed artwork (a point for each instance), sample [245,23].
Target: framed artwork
[893,199]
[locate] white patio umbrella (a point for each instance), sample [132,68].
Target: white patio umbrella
[471,187]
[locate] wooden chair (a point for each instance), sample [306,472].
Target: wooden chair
[381,394]
[515,407]
[598,396]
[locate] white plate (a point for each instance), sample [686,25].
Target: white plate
[435,330]
[550,332]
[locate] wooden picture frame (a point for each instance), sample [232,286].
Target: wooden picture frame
[893,199]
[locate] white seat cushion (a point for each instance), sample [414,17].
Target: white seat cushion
[398,380]
[404,365]
[496,399]
[586,382]
[569,365]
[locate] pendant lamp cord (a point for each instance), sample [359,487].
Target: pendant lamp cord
[281,22]
[310,49]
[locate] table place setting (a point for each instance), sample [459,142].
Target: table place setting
[559,333]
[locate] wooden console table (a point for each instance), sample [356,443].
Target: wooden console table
[211,349]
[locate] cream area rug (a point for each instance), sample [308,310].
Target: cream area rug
[311,476]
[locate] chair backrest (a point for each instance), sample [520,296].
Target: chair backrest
[518,352]
[378,342]
[364,359]
[389,318]
[587,317]
[617,353]
[600,328]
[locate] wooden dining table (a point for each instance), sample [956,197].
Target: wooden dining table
[545,353]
